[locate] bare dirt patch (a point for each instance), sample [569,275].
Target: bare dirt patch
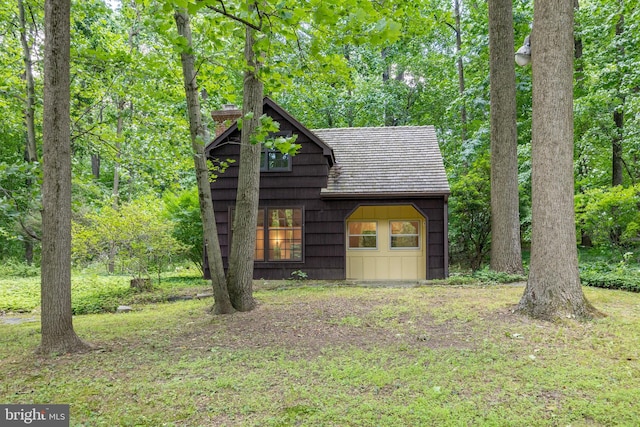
[365,319]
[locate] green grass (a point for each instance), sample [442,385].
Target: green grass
[341,356]
[94,293]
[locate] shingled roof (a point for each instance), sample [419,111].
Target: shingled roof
[384,161]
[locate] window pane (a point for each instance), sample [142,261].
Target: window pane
[405,234]
[272,160]
[285,234]
[278,160]
[363,234]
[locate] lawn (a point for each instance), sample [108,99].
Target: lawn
[340,356]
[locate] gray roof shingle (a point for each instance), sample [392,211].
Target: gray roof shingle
[384,160]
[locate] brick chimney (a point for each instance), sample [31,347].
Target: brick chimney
[225,118]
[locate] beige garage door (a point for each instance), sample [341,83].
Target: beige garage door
[386,243]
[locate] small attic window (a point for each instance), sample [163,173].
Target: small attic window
[272,160]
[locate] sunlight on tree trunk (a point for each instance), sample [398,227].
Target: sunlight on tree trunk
[553,289]
[506,254]
[240,275]
[58,335]
[222,304]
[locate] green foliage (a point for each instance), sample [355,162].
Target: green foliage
[487,275]
[12,268]
[91,293]
[610,216]
[602,271]
[136,235]
[183,210]
[470,216]
[298,275]
[19,204]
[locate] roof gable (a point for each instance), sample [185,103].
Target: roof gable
[384,161]
[268,102]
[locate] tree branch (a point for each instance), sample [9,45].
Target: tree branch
[223,11]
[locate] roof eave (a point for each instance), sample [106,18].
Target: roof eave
[385,195]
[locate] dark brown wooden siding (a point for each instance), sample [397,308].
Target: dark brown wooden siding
[324,219]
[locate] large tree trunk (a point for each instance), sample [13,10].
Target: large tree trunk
[461,83]
[222,304]
[240,274]
[506,252]
[56,316]
[553,289]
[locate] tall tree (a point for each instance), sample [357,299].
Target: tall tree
[506,253]
[222,303]
[553,289]
[240,274]
[56,317]
[617,160]
[459,63]
[31,152]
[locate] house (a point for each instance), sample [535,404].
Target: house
[354,203]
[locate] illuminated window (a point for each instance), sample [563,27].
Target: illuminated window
[363,235]
[279,235]
[259,254]
[405,234]
[285,234]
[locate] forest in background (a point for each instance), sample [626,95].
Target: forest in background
[375,63]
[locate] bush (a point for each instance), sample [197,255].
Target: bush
[610,216]
[470,216]
[602,273]
[13,268]
[183,210]
[135,234]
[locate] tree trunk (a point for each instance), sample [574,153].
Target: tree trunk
[240,274]
[31,152]
[222,303]
[618,119]
[58,335]
[506,255]
[553,289]
[95,166]
[115,193]
[29,108]
[461,83]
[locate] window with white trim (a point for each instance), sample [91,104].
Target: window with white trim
[404,234]
[363,234]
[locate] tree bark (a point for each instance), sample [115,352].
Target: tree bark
[506,255]
[553,289]
[240,274]
[58,335]
[31,152]
[115,193]
[222,302]
[461,82]
[29,107]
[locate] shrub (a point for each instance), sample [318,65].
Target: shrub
[470,216]
[611,216]
[183,210]
[135,233]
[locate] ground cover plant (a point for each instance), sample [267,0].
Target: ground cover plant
[321,354]
[98,293]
